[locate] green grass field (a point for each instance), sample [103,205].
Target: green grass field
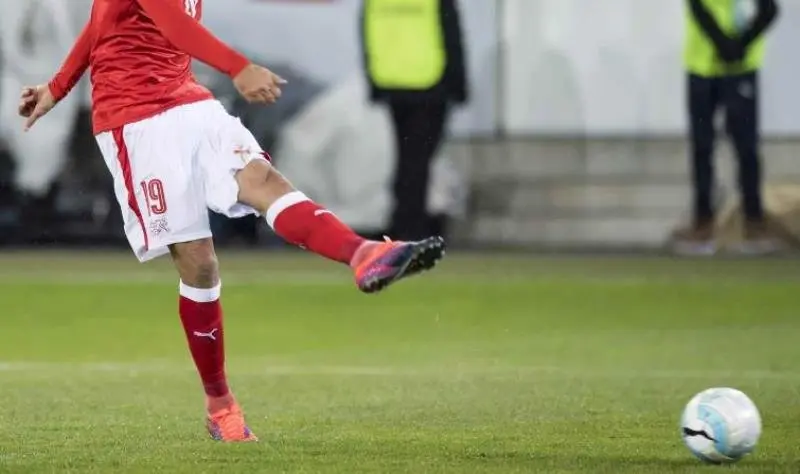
[491,364]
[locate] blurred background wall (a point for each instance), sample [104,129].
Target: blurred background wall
[573,136]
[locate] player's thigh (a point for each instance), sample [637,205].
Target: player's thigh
[236,166]
[156,183]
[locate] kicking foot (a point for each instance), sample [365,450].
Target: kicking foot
[387,262]
[227,424]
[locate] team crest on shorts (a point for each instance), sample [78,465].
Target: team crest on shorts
[245,153]
[159,226]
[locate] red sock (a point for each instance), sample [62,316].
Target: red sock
[201,315]
[302,222]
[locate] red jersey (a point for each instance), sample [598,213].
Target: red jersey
[140,54]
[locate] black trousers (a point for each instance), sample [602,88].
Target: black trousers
[738,96]
[419,130]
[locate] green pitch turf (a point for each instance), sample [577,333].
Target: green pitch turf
[491,364]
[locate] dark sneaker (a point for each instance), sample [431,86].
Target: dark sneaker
[759,239]
[696,240]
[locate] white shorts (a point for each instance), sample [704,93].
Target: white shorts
[170,169]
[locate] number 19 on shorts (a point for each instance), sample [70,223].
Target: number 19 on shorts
[154,196]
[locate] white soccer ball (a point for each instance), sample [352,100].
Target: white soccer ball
[720,425]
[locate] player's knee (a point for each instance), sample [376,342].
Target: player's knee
[260,185]
[197,263]
[206,271]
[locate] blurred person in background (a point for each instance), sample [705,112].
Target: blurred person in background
[35,35]
[414,61]
[724,49]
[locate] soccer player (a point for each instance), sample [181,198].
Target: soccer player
[174,152]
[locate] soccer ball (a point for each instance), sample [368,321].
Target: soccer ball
[720,425]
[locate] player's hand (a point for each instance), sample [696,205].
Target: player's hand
[34,104]
[258,85]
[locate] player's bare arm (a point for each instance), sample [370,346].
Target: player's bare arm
[255,83]
[37,101]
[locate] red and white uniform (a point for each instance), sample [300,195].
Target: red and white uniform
[171,148]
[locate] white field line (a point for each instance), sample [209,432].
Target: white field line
[447,372]
[99,278]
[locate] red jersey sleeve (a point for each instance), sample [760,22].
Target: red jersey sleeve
[189,36]
[74,66]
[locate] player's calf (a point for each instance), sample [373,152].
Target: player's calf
[308,225]
[293,216]
[201,312]
[201,315]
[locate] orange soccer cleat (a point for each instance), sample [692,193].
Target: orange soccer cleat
[388,262]
[228,425]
